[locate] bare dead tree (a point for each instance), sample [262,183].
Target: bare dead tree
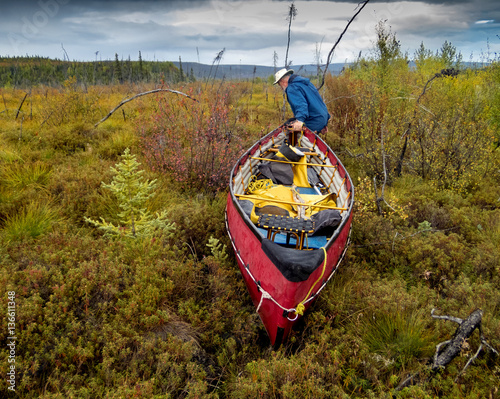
[140,95]
[21,129]
[5,105]
[409,127]
[292,13]
[21,105]
[406,134]
[217,60]
[447,351]
[317,56]
[381,198]
[253,81]
[66,56]
[330,54]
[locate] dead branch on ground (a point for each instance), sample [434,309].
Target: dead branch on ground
[446,351]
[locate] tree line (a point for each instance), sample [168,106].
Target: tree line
[28,71]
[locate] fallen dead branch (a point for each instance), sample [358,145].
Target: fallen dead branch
[446,351]
[140,95]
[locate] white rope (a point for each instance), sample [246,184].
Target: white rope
[267,295]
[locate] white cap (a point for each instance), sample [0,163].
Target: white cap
[282,72]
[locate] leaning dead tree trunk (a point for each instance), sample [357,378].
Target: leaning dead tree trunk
[21,105]
[330,54]
[140,95]
[447,351]
[292,13]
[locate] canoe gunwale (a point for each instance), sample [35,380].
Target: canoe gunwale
[245,217]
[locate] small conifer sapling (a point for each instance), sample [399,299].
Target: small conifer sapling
[132,192]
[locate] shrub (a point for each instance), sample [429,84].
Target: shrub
[117,142]
[197,219]
[437,131]
[197,143]
[21,183]
[218,249]
[72,137]
[70,103]
[19,176]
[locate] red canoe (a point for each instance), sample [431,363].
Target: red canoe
[289,234]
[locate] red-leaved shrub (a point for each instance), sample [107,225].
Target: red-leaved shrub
[196,142]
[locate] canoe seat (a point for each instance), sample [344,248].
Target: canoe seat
[298,227]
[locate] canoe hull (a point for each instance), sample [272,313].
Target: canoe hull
[273,295]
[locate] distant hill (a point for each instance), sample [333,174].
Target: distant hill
[29,71]
[204,71]
[246,72]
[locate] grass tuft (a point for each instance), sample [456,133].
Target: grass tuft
[21,176]
[396,339]
[32,221]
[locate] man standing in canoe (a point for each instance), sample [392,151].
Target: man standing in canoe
[307,105]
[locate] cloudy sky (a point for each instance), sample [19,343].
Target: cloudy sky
[250,31]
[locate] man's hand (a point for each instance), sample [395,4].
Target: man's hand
[296,126]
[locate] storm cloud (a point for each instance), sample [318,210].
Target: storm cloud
[250,31]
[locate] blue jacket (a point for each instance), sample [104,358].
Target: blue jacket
[306,103]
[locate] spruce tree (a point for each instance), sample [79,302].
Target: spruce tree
[118,69]
[141,73]
[132,193]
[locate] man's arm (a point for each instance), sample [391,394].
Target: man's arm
[298,103]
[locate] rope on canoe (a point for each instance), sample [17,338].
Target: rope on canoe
[301,306]
[267,295]
[261,184]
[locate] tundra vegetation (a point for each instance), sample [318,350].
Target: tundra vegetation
[108,314]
